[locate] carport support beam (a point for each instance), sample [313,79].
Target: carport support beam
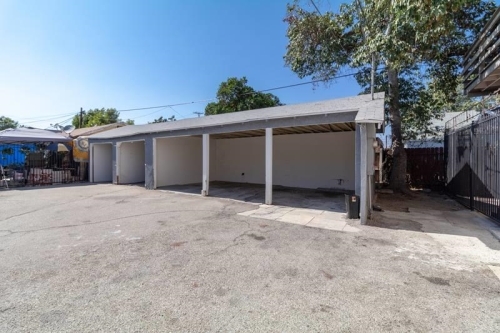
[91,163]
[363,201]
[269,166]
[206,164]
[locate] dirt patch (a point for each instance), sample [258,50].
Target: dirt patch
[327,275]
[177,244]
[435,280]
[378,220]
[256,237]
[418,199]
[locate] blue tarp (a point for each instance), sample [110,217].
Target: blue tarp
[14,154]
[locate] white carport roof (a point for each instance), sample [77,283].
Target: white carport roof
[361,109]
[29,135]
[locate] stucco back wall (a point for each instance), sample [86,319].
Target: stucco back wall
[132,157]
[323,160]
[103,163]
[240,160]
[178,161]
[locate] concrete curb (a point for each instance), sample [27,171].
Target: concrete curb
[488,224]
[496,233]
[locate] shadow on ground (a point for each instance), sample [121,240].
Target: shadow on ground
[47,187]
[433,213]
[282,196]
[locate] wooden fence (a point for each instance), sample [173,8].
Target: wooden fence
[426,167]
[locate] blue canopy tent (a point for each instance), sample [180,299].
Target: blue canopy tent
[34,153]
[31,135]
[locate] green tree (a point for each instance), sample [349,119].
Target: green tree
[416,43]
[96,117]
[235,95]
[6,122]
[163,120]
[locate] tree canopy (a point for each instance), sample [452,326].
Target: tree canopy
[6,122]
[236,95]
[417,46]
[96,117]
[163,120]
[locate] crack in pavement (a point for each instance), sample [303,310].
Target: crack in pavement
[104,221]
[56,205]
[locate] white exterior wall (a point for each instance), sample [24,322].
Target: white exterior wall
[102,163]
[131,167]
[178,161]
[323,160]
[302,160]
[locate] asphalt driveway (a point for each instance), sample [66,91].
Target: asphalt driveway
[125,259]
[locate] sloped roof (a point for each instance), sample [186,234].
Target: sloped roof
[86,131]
[22,134]
[368,110]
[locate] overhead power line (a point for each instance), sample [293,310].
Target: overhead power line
[43,120]
[250,93]
[312,1]
[46,116]
[171,106]
[148,114]
[176,112]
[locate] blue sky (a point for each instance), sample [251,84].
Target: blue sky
[58,56]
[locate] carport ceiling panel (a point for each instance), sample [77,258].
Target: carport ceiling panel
[320,128]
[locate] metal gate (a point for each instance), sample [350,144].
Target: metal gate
[472,153]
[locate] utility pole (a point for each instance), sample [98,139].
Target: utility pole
[198,113]
[81,118]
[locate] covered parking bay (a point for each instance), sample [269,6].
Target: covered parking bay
[319,158]
[178,161]
[102,168]
[324,145]
[130,168]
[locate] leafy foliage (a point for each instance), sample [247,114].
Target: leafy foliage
[6,122]
[418,44]
[96,117]
[235,95]
[164,120]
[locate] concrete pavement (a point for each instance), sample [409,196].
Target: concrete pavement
[125,259]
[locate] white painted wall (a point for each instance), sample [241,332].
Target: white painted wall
[301,160]
[131,162]
[102,162]
[178,161]
[323,160]
[240,160]
[213,159]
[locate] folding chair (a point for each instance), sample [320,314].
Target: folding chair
[4,180]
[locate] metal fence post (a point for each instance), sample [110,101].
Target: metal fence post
[471,181]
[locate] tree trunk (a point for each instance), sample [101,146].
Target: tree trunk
[398,174]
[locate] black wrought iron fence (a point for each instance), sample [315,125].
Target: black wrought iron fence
[40,164]
[472,152]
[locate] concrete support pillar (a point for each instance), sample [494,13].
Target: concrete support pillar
[363,200]
[357,162]
[206,164]
[116,162]
[91,163]
[149,152]
[269,166]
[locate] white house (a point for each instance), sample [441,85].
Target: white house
[327,144]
